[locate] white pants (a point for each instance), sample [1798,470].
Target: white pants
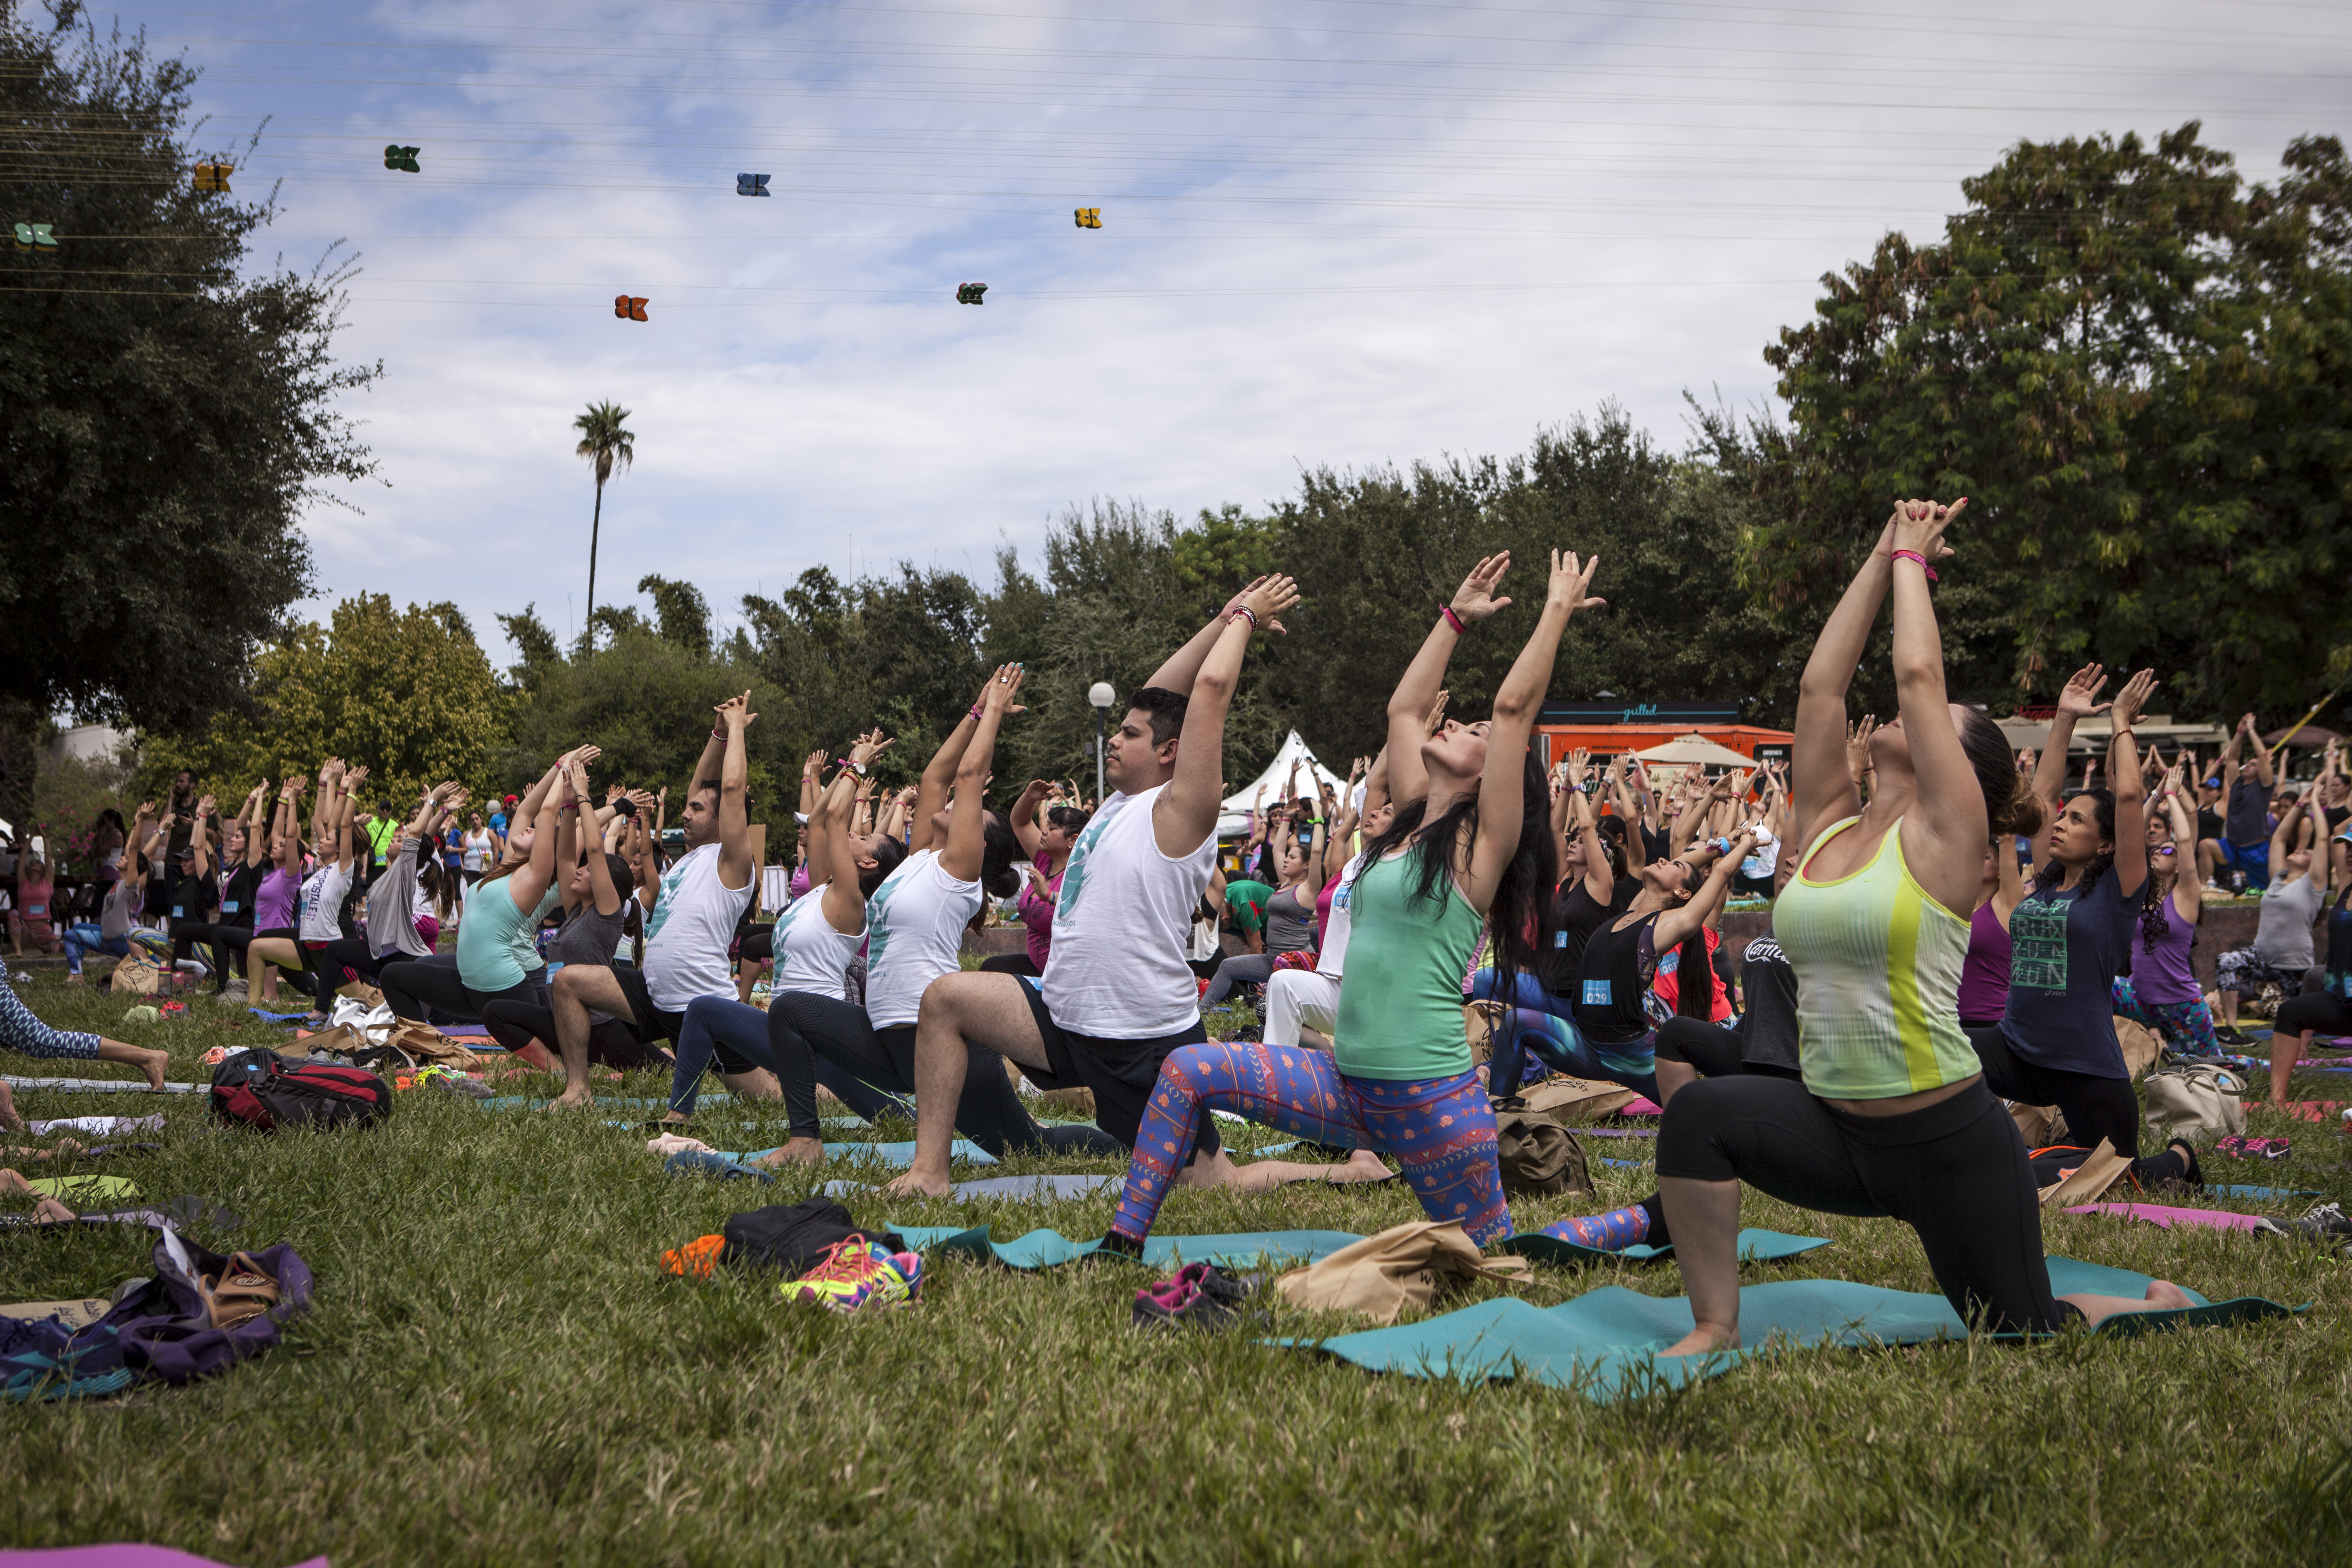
[1296,996]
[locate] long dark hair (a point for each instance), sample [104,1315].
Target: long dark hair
[1519,922]
[2103,812]
[887,853]
[999,858]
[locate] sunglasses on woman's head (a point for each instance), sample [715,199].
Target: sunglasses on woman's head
[2164,849]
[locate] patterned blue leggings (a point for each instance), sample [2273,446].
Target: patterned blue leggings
[1533,1026]
[1442,1130]
[2188,1025]
[21,1032]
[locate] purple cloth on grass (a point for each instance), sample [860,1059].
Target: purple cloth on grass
[2212,1219]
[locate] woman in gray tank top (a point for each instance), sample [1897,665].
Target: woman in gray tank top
[1289,914]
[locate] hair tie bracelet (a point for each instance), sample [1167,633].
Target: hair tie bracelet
[1915,555]
[1247,614]
[1452,619]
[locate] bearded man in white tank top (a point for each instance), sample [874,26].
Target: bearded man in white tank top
[1117,996]
[703,895]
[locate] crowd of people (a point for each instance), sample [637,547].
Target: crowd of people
[1952,927]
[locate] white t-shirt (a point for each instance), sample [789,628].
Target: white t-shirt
[1334,951]
[917,919]
[809,954]
[690,929]
[477,848]
[1122,926]
[1758,865]
[323,902]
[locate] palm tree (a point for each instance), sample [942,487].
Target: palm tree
[603,438]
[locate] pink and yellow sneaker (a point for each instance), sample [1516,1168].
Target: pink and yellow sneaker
[857,1273]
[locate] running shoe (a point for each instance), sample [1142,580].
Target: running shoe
[2234,1146]
[856,1273]
[2230,1034]
[1201,1296]
[697,1259]
[2271,1148]
[2322,1222]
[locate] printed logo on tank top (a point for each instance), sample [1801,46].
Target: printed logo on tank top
[1074,874]
[878,917]
[664,900]
[2037,933]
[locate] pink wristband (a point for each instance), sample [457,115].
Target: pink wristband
[1452,619]
[975,713]
[719,733]
[1915,555]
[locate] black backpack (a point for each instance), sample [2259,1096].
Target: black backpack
[262,1088]
[791,1237]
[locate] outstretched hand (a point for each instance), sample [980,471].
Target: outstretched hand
[1919,526]
[736,711]
[1569,580]
[1475,600]
[1267,598]
[1436,719]
[2132,700]
[2081,697]
[1242,598]
[996,696]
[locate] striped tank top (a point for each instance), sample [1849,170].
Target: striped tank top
[1878,977]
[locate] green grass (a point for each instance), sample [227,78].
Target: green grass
[495,1371]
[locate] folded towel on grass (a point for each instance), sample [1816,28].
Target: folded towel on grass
[1605,1342]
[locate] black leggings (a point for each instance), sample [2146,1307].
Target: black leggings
[431,990]
[328,961]
[2316,1011]
[1956,1172]
[1012,963]
[758,944]
[514,1023]
[1712,1049]
[186,933]
[803,1026]
[242,938]
[2094,1108]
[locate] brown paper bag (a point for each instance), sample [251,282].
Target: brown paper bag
[1568,1100]
[2140,1046]
[1402,1267]
[2101,1168]
[430,1046]
[2040,1125]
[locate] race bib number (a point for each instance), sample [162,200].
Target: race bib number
[1596,993]
[229,907]
[1560,939]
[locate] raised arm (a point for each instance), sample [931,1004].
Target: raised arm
[735,868]
[1629,810]
[845,899]
[1823,788]
[201,839]
[1181,668]
[2078,701]
[1600,879]
[344,813]
[1419,689]
[2258,753]
[1944,839]
[967,847]
[1024,815]
[2129,785]
[1502,806]
[1185,815]
[940,774]
[1675,925]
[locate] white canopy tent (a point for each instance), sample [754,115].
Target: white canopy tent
[1233,817]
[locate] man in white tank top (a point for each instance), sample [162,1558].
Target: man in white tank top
[1117,996]
[703,895]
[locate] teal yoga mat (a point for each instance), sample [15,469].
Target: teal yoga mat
[1755,1246]
[1605,1342]
[2272,1193]
[1048,1248]
[1033,1189]
[738,1166]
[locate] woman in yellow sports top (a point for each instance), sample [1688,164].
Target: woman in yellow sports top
[1892,1117]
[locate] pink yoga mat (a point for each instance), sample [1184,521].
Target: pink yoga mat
[119,1554]
[1637,1106]
[2210,1218]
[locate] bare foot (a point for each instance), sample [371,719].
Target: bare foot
[73,979]
[48,1211]
[576,1098]
[795,1151]
[14,1182]
[2164,1296]
[1705,1340]
[153,1065]
[1363,1165]
[918,1183]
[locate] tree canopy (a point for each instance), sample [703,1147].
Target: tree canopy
[165,415]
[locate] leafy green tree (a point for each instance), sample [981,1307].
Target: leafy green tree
[681,613]
[2133,366]
[166,412]
[408,694]
[604,439]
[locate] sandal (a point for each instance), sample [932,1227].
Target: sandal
[239,1293]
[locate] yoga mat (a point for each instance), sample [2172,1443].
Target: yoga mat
[2155,1215]
[121,1555]
[102,1126]
[2271,1192]
[1035,1189]
[1755,1246]
[738,1166]
[1628,1164]
[88,1189]
[1614,1132]
[302,1017]
[1605,1342]
[1637,1106]
[1048,1248]
[99,1085]
[2320,1110]
[508,1102]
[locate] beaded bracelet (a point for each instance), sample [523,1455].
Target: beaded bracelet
[1248,614]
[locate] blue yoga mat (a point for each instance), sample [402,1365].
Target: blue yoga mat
[1605,1342]
[1034,1189]
[1755,1246]
[738,1166]
[1628,1164]
[1047,1248]
[2274,1193]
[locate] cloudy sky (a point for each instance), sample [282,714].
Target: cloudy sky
[1343,232]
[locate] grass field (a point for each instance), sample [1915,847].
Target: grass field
[495,1372]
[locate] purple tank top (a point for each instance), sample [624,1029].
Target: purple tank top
[1984,973]
[2165,976]
[273,906]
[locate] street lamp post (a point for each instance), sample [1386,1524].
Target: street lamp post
[1101,695]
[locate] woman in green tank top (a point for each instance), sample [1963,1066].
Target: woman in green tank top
[1470,846]
[1892,1117]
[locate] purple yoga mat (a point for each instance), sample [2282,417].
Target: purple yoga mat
[121,1555]
[1614,1132]
[2210,1218]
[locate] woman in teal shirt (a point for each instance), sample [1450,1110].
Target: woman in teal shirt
[1470,848]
